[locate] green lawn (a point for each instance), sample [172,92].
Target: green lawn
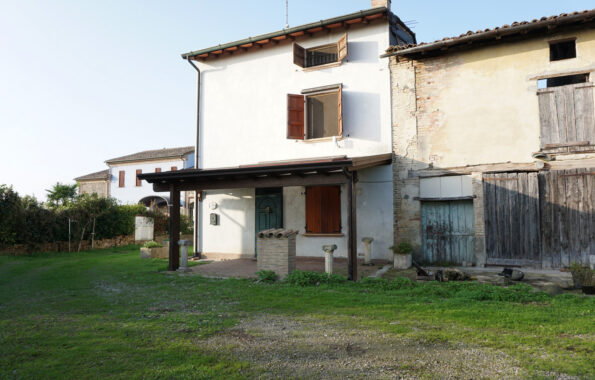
[108,313]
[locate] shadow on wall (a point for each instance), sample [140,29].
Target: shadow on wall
[364,52]
[366,124]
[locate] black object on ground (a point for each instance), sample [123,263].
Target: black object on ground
[512,274]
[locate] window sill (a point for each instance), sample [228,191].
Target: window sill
[322,139]
[307,234]
[321,67]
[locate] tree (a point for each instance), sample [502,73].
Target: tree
[85,209]
[61,194]
[11,215]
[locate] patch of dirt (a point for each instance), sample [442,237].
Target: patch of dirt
[307,347]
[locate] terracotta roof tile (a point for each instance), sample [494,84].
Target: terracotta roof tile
[515,27]
[153,155]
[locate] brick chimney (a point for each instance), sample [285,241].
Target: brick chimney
[381,3]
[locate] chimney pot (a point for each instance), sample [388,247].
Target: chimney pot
[381,3]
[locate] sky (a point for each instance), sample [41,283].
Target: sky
[84,81]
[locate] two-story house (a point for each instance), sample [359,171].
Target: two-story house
[294,131]
[121,181]
[494,143]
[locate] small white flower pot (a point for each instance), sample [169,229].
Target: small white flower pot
[402,261]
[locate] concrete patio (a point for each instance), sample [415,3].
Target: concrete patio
[246,268]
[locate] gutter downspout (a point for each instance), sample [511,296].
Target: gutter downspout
[197,198]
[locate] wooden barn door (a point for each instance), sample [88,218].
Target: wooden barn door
[512,219]
[567,216]
[448,232]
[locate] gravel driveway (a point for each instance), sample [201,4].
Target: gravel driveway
[310,348]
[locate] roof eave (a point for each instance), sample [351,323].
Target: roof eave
[488,35]
[279,33]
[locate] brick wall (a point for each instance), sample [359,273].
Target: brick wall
[276,254]
[416,89]
[100,188]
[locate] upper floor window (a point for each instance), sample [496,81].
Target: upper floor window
[562,50]
[566,112]
[174,168]
[157,170]
[316,113]
[320,55]
[121,178]
[138,180]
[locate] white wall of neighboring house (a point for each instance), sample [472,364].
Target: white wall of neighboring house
[132,194]
[244,121]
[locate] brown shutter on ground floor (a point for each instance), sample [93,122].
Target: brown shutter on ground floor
[314,210]
[295,117]
[323,209]
[121,177]
[138,180]
[331,209]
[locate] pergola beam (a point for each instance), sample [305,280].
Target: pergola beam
[331,178]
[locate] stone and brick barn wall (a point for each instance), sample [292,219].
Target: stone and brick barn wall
[98,187]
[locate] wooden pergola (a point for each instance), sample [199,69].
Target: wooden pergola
[325,171]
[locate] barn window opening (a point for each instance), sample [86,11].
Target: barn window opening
[320,55]
[562,50]
[563,81]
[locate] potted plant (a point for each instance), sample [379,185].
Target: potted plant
[402,255]
[153,250]
[582,277]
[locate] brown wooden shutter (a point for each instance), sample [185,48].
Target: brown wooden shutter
[174,168]
[299,55]
[313,210]
[295,117]
[342,48]
[138,180]
[340,111]
[121,179]
[331,209]
[157,170]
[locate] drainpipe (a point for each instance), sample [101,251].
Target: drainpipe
[197,213]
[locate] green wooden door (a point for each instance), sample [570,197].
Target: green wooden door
[448,232]
[269,210]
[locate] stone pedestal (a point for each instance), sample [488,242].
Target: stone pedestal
[144,228]
[276,251]
[328,257]
[367,250]
[184,244]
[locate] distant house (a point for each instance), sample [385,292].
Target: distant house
[98,183]
[295,132]
[494,143]
[121,180]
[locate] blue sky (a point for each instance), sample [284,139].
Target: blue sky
[84,81]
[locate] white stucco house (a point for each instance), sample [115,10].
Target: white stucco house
[120,180]
[294,132]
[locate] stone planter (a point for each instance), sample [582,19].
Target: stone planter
[154,253]
[402,261]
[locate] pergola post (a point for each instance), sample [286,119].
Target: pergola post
[174,227]
[352,227]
